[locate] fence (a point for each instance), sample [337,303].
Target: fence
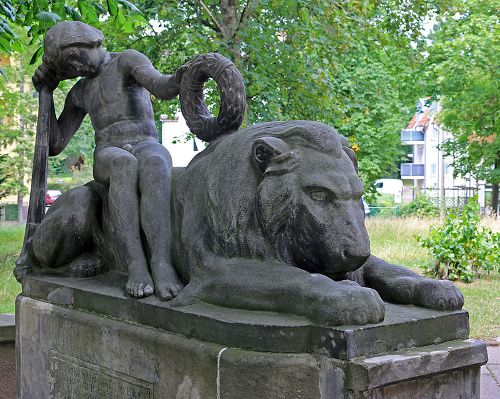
[454,198]
[9,212]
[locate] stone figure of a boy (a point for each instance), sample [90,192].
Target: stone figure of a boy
[114,91]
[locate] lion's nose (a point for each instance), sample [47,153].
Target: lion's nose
[355,256]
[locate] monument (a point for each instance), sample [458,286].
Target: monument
[256,252]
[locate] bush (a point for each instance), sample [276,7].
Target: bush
[461,248]
[422,206]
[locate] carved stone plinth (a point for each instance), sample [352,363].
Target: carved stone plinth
[84,338]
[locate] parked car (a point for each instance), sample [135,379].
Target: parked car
[390,186]
[51,196]
[366,207]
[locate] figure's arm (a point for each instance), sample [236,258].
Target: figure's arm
[64,127]
[138,66]
[398,284]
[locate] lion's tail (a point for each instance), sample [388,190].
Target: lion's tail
[233,96]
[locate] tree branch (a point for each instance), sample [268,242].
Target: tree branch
[248,10]
[212,16]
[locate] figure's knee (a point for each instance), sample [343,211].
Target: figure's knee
[124,165]
[157,163]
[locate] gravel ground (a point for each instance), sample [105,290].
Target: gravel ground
[7,371]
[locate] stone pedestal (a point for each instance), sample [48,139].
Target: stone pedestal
[84,338]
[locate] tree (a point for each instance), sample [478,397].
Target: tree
[39,15]
[463,64]
[17,128]
[349,65]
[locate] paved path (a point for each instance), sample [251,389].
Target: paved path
[490,373]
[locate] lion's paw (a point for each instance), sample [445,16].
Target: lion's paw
[87,265]
[348,303]
[438,294]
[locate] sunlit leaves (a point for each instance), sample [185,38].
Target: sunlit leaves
[39,15]
[463,71]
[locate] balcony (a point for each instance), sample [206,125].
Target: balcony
[412,171]
[412,136]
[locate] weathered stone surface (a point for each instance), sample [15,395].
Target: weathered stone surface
[365,373]
[65,352]
[463,384]
[404,326]
[7,329]
[57,343]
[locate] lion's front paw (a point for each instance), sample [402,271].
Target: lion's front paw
[438,294]
[348,303]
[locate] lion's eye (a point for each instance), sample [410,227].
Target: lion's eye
[319,195]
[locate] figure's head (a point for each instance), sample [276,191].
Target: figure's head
[74,49]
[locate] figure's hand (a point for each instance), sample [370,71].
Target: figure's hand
[173,86]
[438,294]
[45,78]
[177,77]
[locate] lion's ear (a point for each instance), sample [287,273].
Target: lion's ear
[352,156]
[265,149]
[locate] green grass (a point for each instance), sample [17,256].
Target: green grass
[11,239]
[391,239]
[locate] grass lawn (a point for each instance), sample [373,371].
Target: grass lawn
[11,239]
[391,239]
[394,240]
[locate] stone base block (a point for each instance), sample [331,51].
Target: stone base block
[67,352]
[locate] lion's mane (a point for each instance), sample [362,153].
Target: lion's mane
[235,222]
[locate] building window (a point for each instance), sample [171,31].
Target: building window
[433,169]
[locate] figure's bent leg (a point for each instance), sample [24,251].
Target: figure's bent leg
[154,185]
[65,238]
[119,170]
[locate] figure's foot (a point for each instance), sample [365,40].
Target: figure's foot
[87,265]
[167,282]
[139,286]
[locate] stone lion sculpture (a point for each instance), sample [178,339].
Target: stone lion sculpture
[265,218]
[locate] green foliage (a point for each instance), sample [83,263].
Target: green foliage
[39,15]
[421,206]
[17,127]
[461,248]
[350,65]
[463,71]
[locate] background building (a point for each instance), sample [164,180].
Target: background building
[429,171]
[177,139]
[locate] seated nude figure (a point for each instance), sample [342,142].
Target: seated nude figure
[115,91]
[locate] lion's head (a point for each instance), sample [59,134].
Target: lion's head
[288,191]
